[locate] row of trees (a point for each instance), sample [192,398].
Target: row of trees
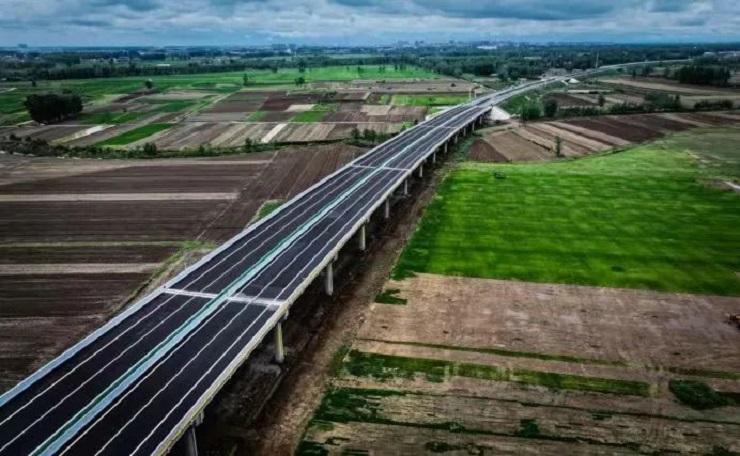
[703,75]
[52,107]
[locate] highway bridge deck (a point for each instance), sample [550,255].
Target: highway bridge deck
[135,384]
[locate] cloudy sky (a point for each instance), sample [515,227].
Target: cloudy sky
[257,22]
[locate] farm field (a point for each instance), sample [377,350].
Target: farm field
[544,308]
[428,100]
[222,104]
[536,141]
[595,221]
[81,238]
[480,366]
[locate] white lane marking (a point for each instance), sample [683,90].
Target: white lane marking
[272,303]
[381,167]
[140,381]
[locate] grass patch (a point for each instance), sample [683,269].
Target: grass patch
[699,395]
[309,116]
[635,219]
[174,106]
[385,367]
[337,360]
[428,100]
[135,135]
[528,428]
[256,116]
[514,354]
[268,208]
[92,118]
[388,296]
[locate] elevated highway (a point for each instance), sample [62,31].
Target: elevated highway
[138,383]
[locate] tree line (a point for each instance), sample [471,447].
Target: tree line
[52,107]
[703,75]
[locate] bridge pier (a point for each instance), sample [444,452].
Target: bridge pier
[279,349]
[421,171]
[329,285]
[434,158]
[362,240]
[387,209]
[406,187]
[191,443]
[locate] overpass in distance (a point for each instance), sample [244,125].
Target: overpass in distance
[141,381]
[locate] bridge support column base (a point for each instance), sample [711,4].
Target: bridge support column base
[279,349]
[191,443]
[329,285]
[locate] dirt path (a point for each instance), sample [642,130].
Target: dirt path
[300,393]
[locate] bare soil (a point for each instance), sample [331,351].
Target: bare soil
[586,332]
[67,267]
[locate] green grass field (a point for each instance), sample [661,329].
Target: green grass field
[644,218]
[92,118]
[135,135]
[428,100]
[309,116]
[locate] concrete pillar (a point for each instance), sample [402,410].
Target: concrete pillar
[191,443]
[329,279]
[434,158]
[363,244]
[446,144]
[387,209]
[421,171]
[406,187]
[279,349]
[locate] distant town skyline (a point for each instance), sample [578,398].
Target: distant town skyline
[362,22]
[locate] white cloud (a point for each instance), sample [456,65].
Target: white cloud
[49,22]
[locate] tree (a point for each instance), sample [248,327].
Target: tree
[150,149]
[551,107]
[300,80]
[52,107]
[602,100]
[531,111]
[558,146]
[355,134]
[33,83]
[369,134]
[245,79]
[248,145]
[149,84]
